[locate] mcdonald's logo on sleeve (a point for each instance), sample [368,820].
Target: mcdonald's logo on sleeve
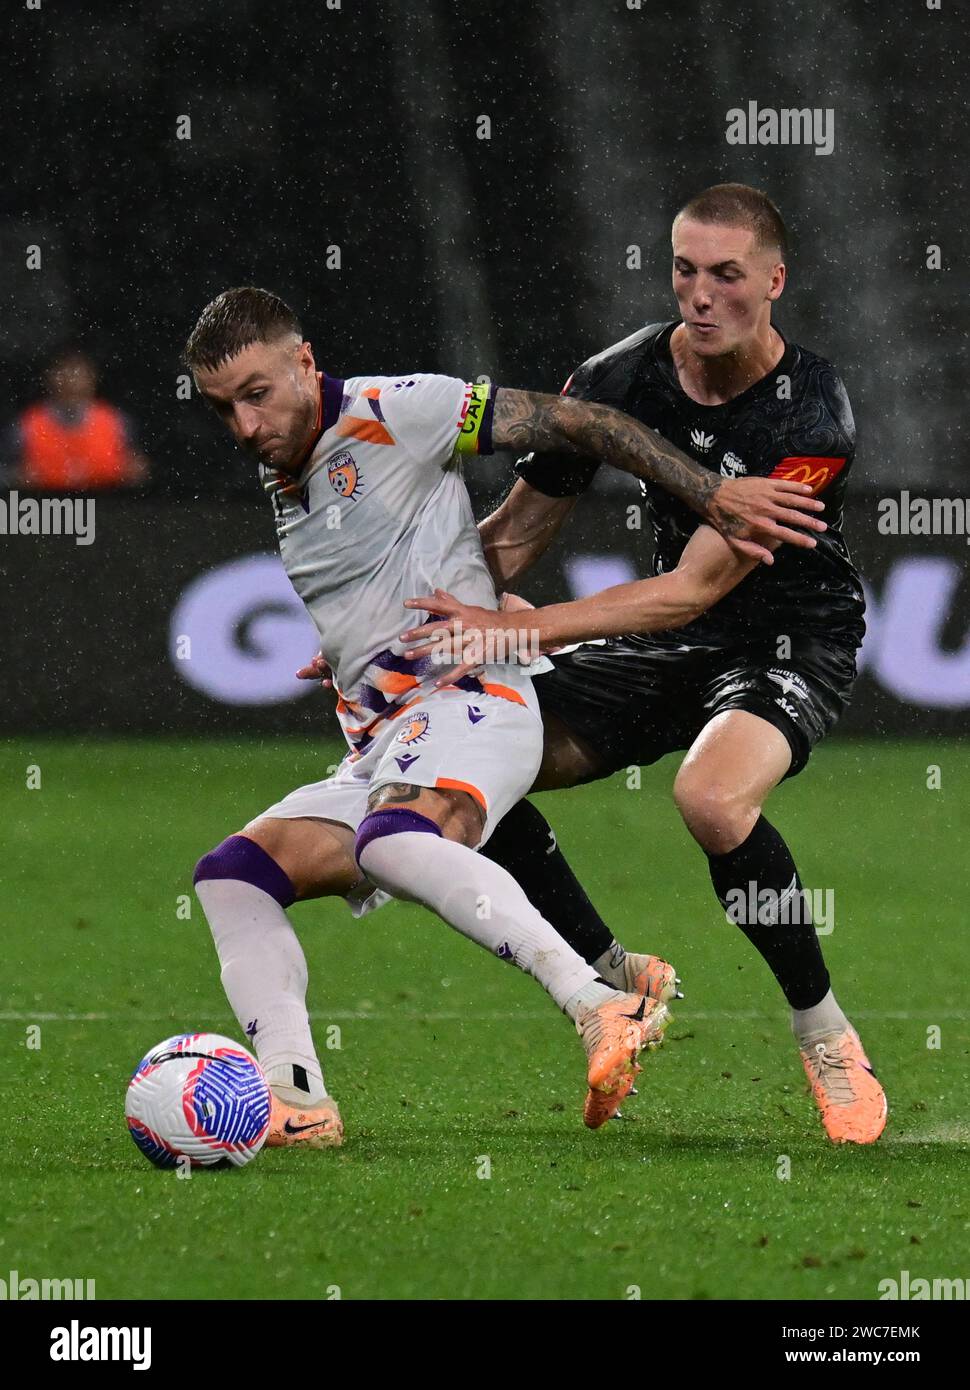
[808,468]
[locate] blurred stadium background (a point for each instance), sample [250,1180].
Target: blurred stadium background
[507,256]
[356,128]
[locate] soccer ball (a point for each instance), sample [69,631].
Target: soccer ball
[198,1096]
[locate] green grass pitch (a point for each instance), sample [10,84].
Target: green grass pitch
[452,1065]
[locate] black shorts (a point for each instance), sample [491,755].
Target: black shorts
[635,699]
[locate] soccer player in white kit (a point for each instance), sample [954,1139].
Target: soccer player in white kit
[363,475]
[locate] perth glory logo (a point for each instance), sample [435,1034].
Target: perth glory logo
[343,475]
[414,729]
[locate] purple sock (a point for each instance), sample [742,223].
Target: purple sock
[242,859]
[395,822]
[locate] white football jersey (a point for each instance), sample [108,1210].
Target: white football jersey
[379,514]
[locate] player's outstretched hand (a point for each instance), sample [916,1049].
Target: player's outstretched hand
[317,670]
[469,636]
[751,512]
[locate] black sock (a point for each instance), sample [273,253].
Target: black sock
[523,844]
[791,948]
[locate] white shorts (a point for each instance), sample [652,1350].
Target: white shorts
[488,745]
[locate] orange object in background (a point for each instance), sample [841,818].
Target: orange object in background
[72,440]
[91,454]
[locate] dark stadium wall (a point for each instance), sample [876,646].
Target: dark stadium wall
[181,620]
[497,182]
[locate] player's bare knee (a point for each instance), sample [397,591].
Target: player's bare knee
[274,837]
[316,856]
[717,817]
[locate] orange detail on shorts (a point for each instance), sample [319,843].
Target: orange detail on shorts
[370,431]
[808,468]
[503,692]
[450,784]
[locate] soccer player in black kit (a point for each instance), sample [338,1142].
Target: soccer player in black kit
[749,686]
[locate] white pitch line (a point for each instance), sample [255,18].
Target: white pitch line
[948,1134]
[683,1015]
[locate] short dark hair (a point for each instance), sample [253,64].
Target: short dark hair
[232,321]
[738,205]
[69,351]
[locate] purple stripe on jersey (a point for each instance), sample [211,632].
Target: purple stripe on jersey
[485,445]
[333,394]
[242,859]
[375,406]
[471,683]
[369,697]
[390,661]
[386,822]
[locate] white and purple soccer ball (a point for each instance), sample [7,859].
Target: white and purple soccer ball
[198,1096]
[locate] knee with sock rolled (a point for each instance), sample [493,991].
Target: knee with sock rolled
[244,861]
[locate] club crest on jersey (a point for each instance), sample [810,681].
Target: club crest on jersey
[343,475]
[701,441]
[415,729]
[732,467]
[789,682]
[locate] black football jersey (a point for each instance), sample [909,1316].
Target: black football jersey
[796,423]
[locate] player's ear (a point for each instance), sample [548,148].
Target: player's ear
[779,276]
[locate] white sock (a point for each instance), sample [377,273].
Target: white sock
[589,997]
[295,1084]
[808,1025]
[482,901]
[264,972]
[610,965]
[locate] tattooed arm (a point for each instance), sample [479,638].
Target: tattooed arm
[749,512]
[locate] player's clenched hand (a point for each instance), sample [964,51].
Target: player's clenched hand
[317,670]
[749,512]
[471,637]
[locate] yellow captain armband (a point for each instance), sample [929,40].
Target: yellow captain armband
[475,430]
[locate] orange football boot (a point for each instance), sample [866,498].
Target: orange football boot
[614,1034]
[312,1126]
[650,975]
[852,1102]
